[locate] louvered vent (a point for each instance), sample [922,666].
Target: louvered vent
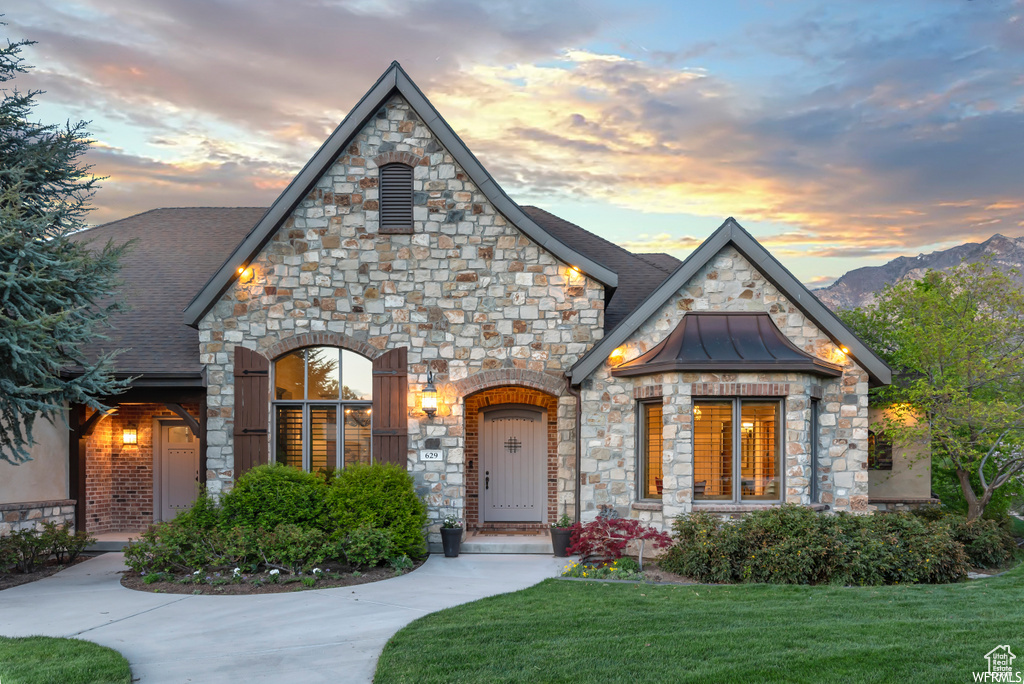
[396,198]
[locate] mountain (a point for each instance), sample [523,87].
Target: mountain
[858,287]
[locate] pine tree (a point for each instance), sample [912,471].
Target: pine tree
[54,292]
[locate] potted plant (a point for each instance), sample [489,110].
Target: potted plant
[451,536]
[561,531]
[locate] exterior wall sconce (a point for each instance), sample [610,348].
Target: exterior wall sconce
[573,278]
[428,399]
[245,275]
[130,435]
[844,349]
[617,357]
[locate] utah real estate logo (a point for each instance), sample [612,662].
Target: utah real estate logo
[1000,666]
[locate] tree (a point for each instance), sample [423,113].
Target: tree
[52,289]
[955,341]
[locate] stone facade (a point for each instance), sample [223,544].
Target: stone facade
[467,294]
[609,434]
[32,514]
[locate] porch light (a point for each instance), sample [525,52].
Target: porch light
[245,274]
[428,399]
[130,435]
[617,356]
[843,348]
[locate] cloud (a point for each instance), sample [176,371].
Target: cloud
[878,141]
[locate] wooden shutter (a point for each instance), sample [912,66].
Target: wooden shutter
[252,401]
[396,198]
[391,408]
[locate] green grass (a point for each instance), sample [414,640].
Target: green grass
[48,660]
[560,631]
[1016,526]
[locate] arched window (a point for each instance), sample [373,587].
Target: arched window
[322,408]
[396,198]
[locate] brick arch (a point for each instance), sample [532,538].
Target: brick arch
[325,339]
[503,377]
[407,158]
[494,396]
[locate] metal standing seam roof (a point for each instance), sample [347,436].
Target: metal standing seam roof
[733,341]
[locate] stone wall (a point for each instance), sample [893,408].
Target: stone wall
[727,283]
[31,515]
[467,293]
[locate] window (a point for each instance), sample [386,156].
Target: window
[751,472]
[879,451]
[313,388]
[651,450]
[396,198]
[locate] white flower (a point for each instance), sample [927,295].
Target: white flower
[237,572]
[197,572]
[317,571]
[275,572]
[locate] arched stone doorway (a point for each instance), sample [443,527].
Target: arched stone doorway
[507,397]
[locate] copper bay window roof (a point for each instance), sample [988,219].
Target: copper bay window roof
[726,341]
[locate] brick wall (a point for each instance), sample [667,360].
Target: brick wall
[495,397]
[119,477]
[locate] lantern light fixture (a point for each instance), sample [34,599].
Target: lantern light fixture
[843,348]
[428,400]
[130,435]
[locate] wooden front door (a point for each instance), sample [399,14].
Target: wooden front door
[513,450]
[179,469]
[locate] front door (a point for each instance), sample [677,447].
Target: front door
[513,450]
[179,469]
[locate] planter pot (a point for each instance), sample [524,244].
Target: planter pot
[451,539]
[560,540]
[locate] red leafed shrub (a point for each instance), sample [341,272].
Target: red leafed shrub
[606,538]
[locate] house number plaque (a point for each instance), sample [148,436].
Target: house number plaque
[431,455]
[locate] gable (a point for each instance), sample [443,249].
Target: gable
[393,82]
[756,257]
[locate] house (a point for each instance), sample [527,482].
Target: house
[394,305]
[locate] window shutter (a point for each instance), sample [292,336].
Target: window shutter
[396,198]
[252,401]
[390,407]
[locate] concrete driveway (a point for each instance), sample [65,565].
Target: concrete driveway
[326,635]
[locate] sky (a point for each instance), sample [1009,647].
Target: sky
[841,134]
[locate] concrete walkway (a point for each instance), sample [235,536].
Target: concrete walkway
[326,635]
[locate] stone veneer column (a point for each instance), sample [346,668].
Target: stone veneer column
[797,445]
[677,412]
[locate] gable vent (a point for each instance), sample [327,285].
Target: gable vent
[396,198]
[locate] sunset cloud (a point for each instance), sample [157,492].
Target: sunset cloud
[839,137]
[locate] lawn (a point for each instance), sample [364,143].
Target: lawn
[561,631]
[47,660]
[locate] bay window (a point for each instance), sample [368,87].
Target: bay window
[737,450]
[321,408]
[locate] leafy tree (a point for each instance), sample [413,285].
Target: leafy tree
[955,341]
[51,288]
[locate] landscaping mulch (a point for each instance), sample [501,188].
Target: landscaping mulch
[264,584]
[50,568]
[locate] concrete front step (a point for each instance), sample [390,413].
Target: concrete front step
[113,541]
[478,542]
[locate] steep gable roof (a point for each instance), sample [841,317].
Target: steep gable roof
[393,80]
[733,233]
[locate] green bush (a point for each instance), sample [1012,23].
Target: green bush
[272,495]
[368,547]
[25,549]
[379,496]
[205,513]
[182,546]
[292,548]
[64,544]
[794,545]
[988,543]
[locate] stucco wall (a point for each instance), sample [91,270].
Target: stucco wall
[727,283]
[45,477]
[466,292]
[911,474]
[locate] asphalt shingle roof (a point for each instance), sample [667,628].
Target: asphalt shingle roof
[177,250]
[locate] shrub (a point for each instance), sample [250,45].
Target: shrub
[26,549]
[368,547]
[794,545]
[181,546]
[205,513]
[400,564]
[272,495]
[64,544]
[987,542]
[380,496]
[607,538]
[290,547]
